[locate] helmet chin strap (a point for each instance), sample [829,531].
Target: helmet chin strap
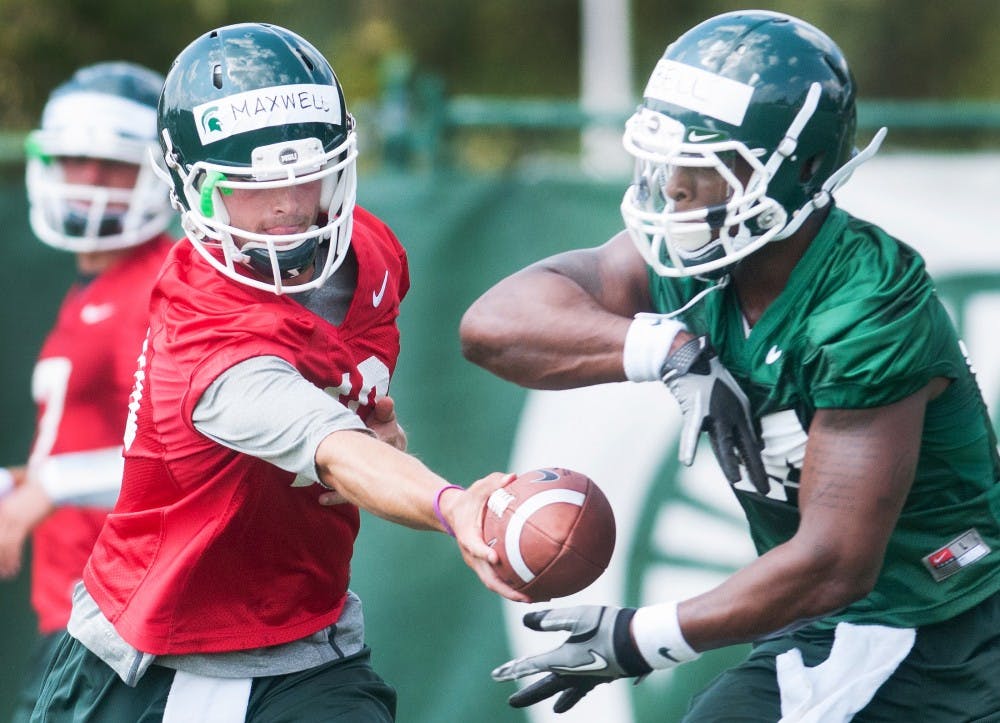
[785,149]
[837,179]
[289,262]
[721,282]
[791,140]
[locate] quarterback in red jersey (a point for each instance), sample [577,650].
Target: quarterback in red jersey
[92,192]
[258,423]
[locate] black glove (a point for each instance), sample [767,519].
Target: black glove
[712,402]
[598,650]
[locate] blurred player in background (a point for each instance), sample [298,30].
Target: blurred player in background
[811,346]
[218,588]
[92,192]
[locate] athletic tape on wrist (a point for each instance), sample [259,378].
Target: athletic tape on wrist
[629,657]
[437,507]
[657,634]
[6,481]
[647,345]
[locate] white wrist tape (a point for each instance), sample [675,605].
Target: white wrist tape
[657,634]
[6,481]
[647,345]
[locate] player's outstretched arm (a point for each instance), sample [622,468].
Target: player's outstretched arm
[561,322]
[859,467]
[398,487]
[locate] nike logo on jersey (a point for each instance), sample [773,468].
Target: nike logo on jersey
[773,354]
[377,297]
[596,662]
[96,313]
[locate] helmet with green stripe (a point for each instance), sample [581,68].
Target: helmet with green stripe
[104,112]
[763,100]
[255,107]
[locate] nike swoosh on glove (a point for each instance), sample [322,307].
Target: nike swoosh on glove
[599,649]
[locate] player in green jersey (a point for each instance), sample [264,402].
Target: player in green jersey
[811,347]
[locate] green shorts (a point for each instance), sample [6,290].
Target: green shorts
[79,687]
[950,675]
[38,662]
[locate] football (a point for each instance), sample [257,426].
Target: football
[553,529]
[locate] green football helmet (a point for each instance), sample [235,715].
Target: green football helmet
[255,106]
[763,100]
[106,112]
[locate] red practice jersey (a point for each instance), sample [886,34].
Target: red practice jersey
[81,385]
[210,550]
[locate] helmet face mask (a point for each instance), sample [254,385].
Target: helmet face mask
[694,205]
[104,113]
[253,109]
[764,100]
[268,260]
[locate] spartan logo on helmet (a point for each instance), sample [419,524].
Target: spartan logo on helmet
[210,121]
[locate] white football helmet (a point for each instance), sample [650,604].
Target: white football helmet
[107,112]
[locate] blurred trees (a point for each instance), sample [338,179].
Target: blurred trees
[43,41]
[898,48]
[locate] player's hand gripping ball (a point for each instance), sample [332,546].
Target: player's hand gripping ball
[554,531]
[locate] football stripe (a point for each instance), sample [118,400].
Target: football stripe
[520,516]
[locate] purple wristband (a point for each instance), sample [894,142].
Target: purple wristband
[437,507]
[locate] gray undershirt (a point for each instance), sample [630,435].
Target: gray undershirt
[265,408]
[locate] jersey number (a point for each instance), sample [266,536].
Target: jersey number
[49,382]
[374,377]
[136,396]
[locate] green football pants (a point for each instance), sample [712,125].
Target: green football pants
[950,675]
[80,687]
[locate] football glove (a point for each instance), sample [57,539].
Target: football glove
[711,401]
[599,649]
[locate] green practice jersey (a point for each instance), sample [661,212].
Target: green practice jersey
[859,325]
